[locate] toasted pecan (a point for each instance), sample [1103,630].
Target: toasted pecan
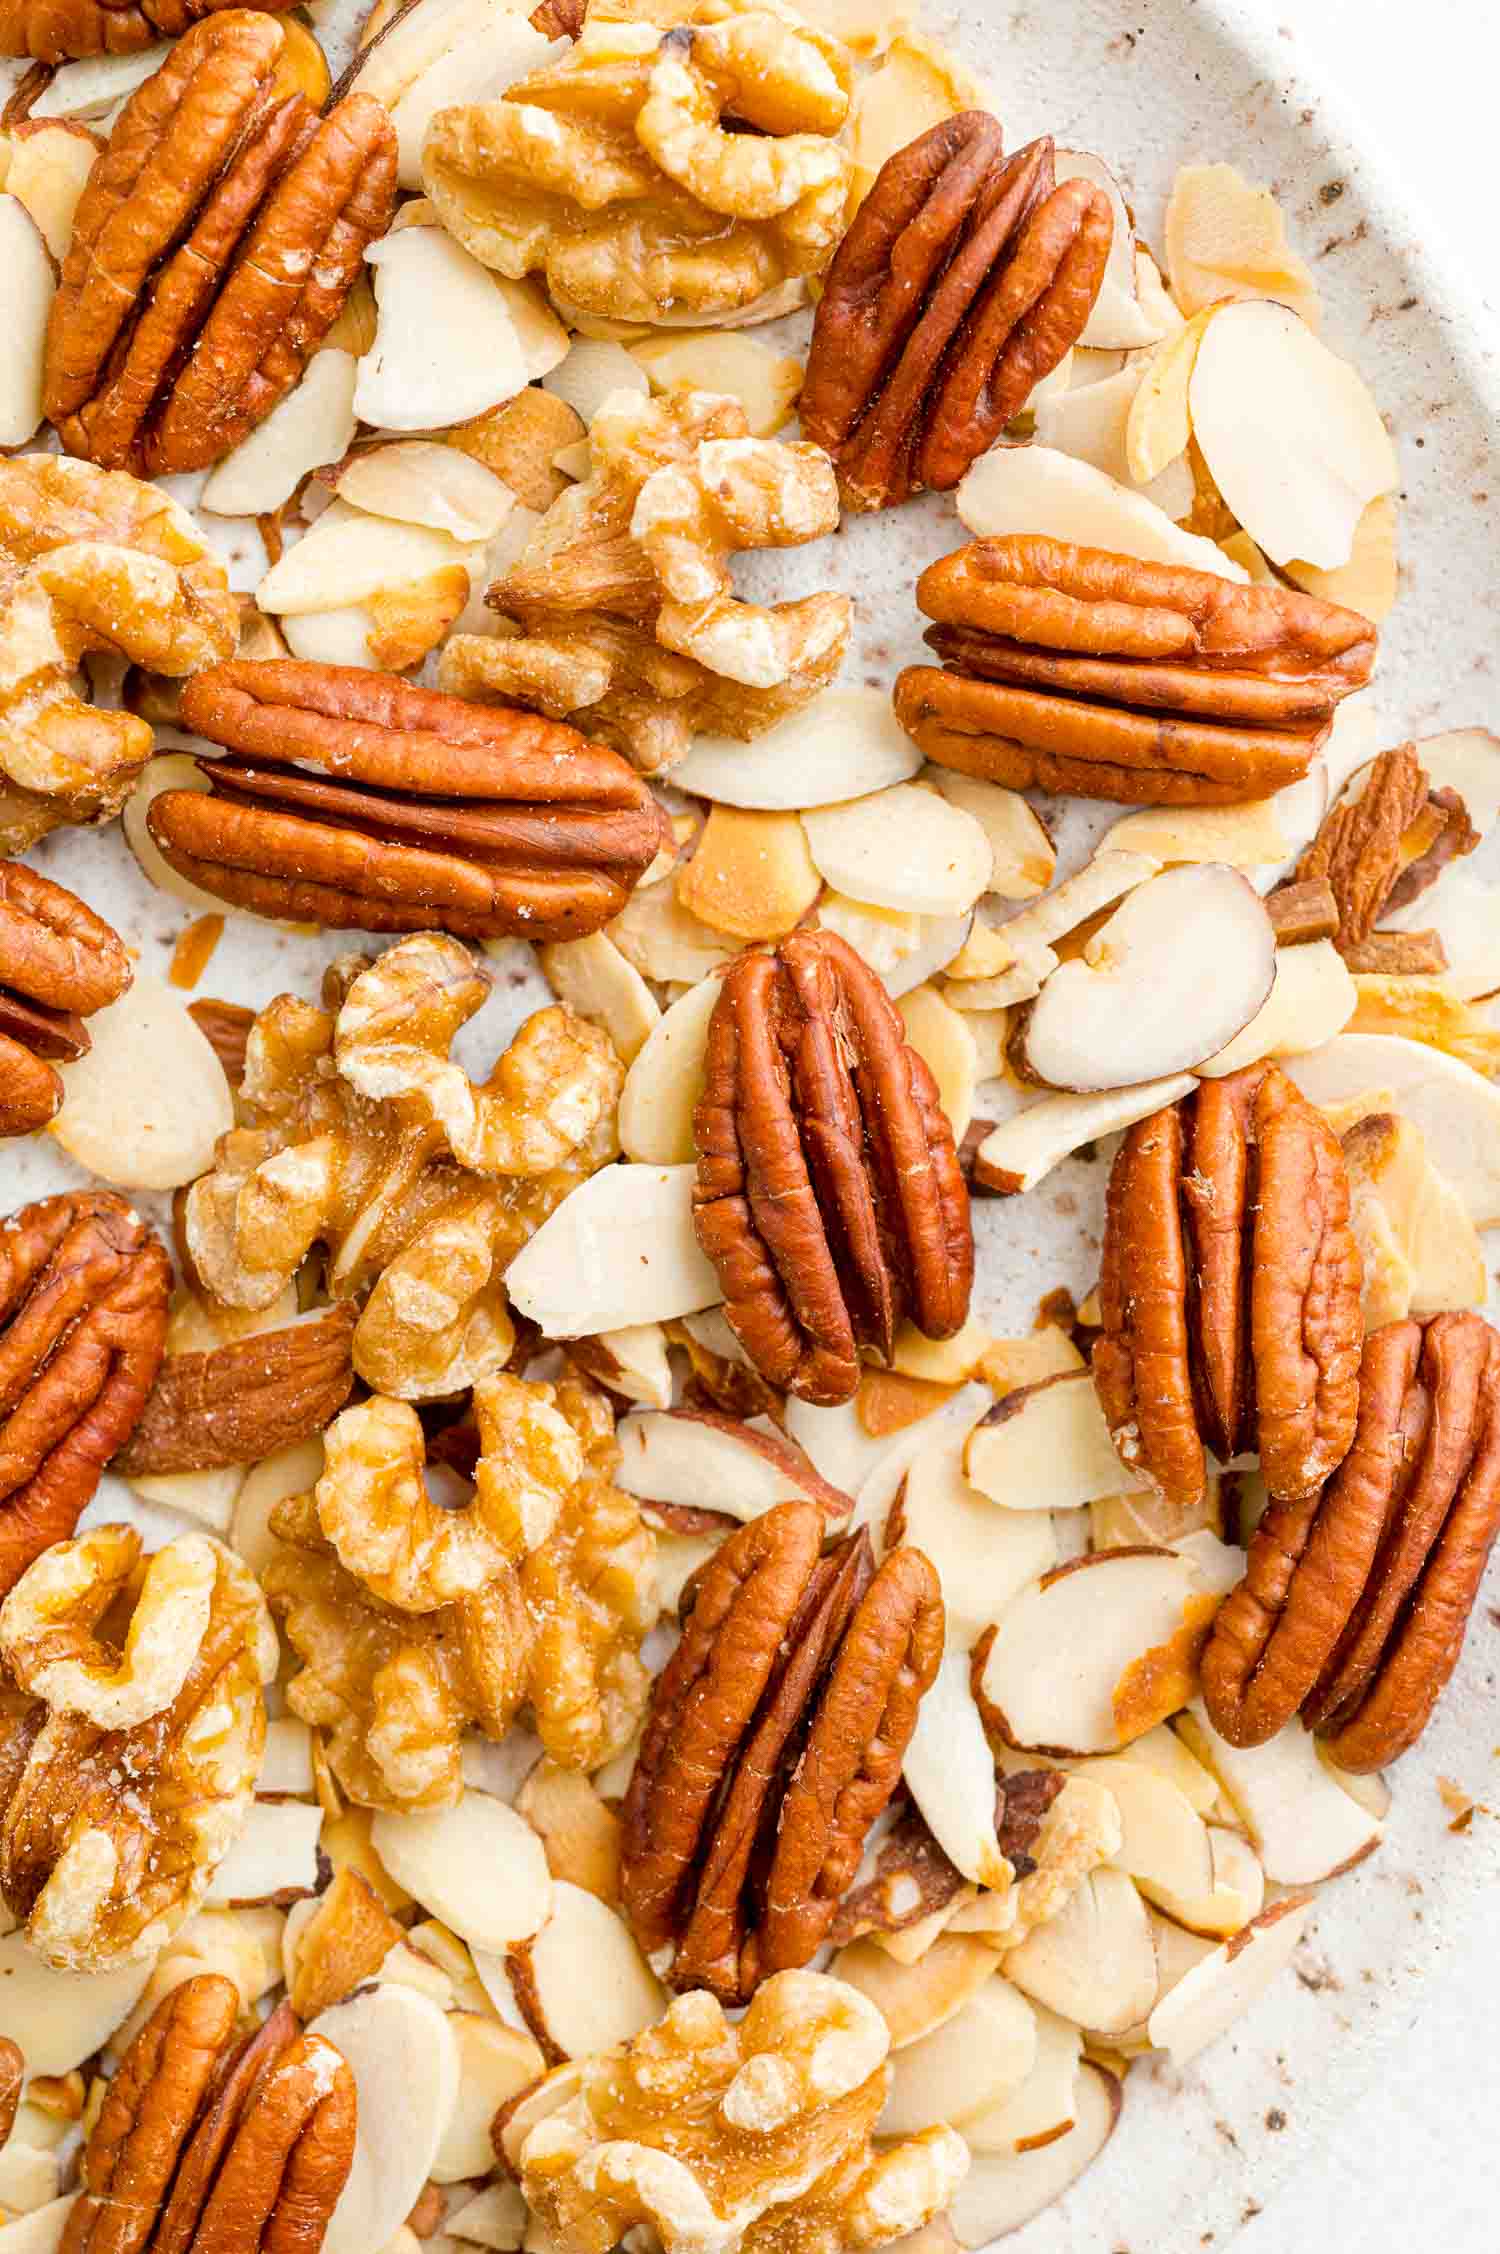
[60,31]
[237,1403]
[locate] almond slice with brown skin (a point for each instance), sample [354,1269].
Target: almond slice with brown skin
[1003,2191]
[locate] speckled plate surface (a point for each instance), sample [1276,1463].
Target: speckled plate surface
[1149,85]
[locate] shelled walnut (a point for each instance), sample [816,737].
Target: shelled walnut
[419,1184]
[414,1621]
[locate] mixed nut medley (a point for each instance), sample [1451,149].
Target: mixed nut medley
[624,1709]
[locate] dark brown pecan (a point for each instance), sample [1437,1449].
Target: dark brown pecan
[84,1285]
[1355,1601]
[962,281]
[356,799]
[829,1196]
[1078,670]
[208,2143]
[1229,1289]
[805,1750]
[58,31]
[58,962]
[213,247]
[1021,1806]
[243,1401]
[1396,827]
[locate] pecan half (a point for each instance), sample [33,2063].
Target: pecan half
[775,1739]
[214,244]
[240,1402]
[58,962]
[58,31]
[1082,671]
[209,2143]
[353,798]
[84,1285]
[829,1197]
[1355,1600]
[1381,849]
[962,281]
[1229,1289]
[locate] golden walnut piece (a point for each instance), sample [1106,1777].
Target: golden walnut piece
[415,1621]
[622,609]
[90,561]
[660,168]
[127,1779]
[720,2138]
[362,1137]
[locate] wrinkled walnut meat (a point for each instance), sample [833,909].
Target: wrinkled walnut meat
[355,798]
[84,1285]
[212,250]
[754,2139]
[774,1740]
[1382,848]
[211,2140]
[829,1197]
[143,1743]
[90,561]
[627,613]
[1229,1290]
[962,281]
[612,172]
[1081,671]
[58,962]
[1355,1600]
[55,31]
[362,1137]
[414,1620]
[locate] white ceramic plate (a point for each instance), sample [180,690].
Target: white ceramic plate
[1149,84]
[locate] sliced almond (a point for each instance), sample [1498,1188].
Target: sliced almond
[1312,999]
[342,1943]
[1290,434]
[903,848]
[29,2176]
[1242,835]
[1164,1844]
[974,2061]
[405,2058]
[918,84]
[349,557]
[558,2089]
[1026,939]
[43,2231]
[418,481]
[752,874]
[495,2064]
[1369,1791]
[291,1471]
[487,48]
[1038,489]
[903,950]
[96,85]
[632,1362]
[1456,1110]
[579,1834]
[1164,1752]
[1023,859]
[914,2000]
[591,373]
[495,2217]
[1465,914]
[836,1442]
[1022,1151]
[275,1855]
[950,1773]
[48,164]
[144,1130]
[984,1555]
[1095,1962]
[1136,1005]
[1226,238]
[596,981]
[844,745]
[477,1865]
[1093,425]
[665,1081]
[24,256]
[1003,2191]
[1421,1252]
[1008,1364]
[942,1039]
[1304,1827]
[1096,1653]
[942,1361]
[1220,1989]
[347,1843]
[332,637]
[1368,581]
[286,1765]
[311,425]
[446,346]
[582,1983]
[1046,1447]
[713,1462]
[1118,320]
[1045,2107]
[765,383]
[619,1250]
[58,2019]
[889,1402]
[664,941]
[1466,760]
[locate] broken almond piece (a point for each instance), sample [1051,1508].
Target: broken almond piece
[904,848]
[915,2000]
[889,1402]
[596,981]
[582,1984]
[1223,1985]
[419,481]
[1422,1010]
[1245,836]
[752,874]
[1367,581]
[1164,1846]
[941,1037]
[1456,1109]
[1118,320]
[1421,1252]
[713,1462]
[1305,1828]
[950,1773]
[846,744]
[44,164]
[1096,1653]
[311,425]
[1095,1962]
[1045,1447]
[1226,238]
[917,85]
[1023,1150]
[725,361]
[972,2062]
[580,1836]
[342,1944]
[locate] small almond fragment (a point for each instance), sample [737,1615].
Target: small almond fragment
[596,981]
[1367,582]
[344,1943]
[1226,238]
[419,481]
[729,362]
[1023,857]
[915,2000]
[579,1834]
[312,425]
[48,163]
[152,1129]
[889,1402]
[665,1081]
[495,2064]
[752,874]
[518,441]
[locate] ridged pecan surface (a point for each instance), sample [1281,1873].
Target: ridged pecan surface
[213,247]
[774,1740]
[1381,846]
[353,798]
[58,962]
[829,1196]
[1083,671]
[962,281]
[56,31]
[84,1284]
[1355,1599]
[1229,1289]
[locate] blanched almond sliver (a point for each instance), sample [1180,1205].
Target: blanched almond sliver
[619,1250]
[478,1866]
[765,383]
[349,556]
[313,424]
[943,1041]
[1024,857]
[752,875]
[1367,582]
[419,481]
[49,163]
[904,848]
[665,1081]
[144,1130]
[1226,238]
[843,745]
[405,2059]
